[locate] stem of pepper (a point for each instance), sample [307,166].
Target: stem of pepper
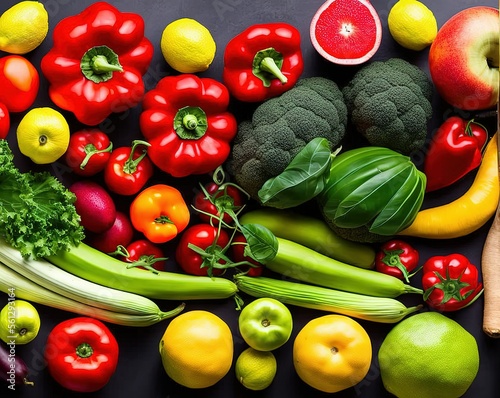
[268,65]
[130,165]
[100,64]
[90,150]
[84,350]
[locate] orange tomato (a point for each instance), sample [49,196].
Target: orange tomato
[332,353]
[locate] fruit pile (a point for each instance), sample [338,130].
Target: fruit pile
[314,198]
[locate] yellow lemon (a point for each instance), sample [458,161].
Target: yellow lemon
[187,46]
[256,369]
[43,135]
[412,24]
[197,349]
[23,27]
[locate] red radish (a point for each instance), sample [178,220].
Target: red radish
[120,233]
[346,32]
[94,205]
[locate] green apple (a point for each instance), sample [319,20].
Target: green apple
[19,322]
[265,324]
[463,59]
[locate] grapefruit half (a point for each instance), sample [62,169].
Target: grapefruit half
[346,32]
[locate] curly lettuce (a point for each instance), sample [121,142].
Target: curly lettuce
[37,212]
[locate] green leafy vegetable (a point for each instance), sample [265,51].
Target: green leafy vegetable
[262,243]
[37,213]
[303,179]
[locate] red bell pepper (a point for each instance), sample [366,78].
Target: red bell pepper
[450,282]
[4,121]
[81,354]
[186,121]
[455,150]
[397,258]
[128,169]
[263,61]
[96,64]
[88,152]
[19,82]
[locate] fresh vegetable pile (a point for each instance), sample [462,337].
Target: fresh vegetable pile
[287,217]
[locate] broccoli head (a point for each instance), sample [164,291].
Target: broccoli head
[389,103]
[282,126]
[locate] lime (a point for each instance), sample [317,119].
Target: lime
[412,24]
[43,135]
[187,46]
[23,27]
[428,355]
[256,369]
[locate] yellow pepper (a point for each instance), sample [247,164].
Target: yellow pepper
[469,212]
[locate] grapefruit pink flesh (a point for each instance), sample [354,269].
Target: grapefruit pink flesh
[346,31]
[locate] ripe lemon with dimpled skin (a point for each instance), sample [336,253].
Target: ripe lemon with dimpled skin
[256,369]
[197,349]
[412,24]
[43,135]
[23,27]
[187,46]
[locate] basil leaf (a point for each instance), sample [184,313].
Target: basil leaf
[303,179]
[261,241]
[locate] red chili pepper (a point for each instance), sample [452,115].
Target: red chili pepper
[145,255]
[4,121]
[81,354]
[128,169]
[185,119]
[96,64]
[450,282]
[397,258]
[239,245]
[19,82]
[88,152]
[455,150]
[263,61]
[215,202]
[201,249]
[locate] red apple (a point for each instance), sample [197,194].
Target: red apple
[463,59]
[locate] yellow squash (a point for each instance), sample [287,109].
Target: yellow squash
[469,212]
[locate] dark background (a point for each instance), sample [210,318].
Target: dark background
[139,371]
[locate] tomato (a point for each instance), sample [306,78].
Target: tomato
[19,322]
[19,81]
[145,255]
[265,324]
[201,249]
[238,246]
[216,201]
[332,353]
[4,121]
[88,152]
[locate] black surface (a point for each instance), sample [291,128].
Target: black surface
[140,373]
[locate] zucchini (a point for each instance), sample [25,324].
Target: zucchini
[95,266]
[313,233]
[301,263]
[375,309]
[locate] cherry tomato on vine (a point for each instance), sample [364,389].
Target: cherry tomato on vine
[19,82]
[238,246]
[145,255]
[218,201]
[200,250]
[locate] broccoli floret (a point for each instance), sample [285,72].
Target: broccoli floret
[389,103]
[282,126]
